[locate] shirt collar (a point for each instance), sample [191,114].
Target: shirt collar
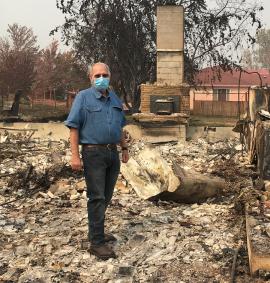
[98,94]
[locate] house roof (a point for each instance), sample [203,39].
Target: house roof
[209,77]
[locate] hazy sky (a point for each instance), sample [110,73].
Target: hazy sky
[43,16]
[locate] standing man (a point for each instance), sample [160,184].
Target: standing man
[96,120]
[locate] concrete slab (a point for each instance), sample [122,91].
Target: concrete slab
[54,131]
[57,131]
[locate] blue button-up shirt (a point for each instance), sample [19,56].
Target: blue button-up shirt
[98,119]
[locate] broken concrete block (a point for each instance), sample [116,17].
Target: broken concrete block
[121,187]
[50,194]
[80,186]
[125,270]
[72,191]
[267,185]
[136,240]
[59,187]
[74,197]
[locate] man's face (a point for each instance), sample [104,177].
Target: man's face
[99,70]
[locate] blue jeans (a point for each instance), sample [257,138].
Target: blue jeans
[101,169]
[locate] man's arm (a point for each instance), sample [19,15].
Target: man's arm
[76,163]
[74,122]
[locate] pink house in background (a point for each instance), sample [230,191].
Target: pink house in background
[225,88]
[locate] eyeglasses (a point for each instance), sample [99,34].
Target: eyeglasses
[101,75]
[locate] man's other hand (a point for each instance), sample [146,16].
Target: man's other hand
[125,156]
[76,163]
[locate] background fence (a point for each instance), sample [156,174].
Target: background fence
[49,102]
[219,108]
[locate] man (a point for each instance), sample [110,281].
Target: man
[96,120]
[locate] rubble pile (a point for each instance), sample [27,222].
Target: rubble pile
[29,166]
[199,155]
[46,241]
[259,221]
[43,234]
[223,159]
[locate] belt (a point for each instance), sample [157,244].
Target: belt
[109,146]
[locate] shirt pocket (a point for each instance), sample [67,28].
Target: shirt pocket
[117,113]
[93,108]
[93,113]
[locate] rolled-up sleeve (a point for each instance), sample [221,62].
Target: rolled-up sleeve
[74,119]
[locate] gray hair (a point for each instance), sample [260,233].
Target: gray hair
[90,68]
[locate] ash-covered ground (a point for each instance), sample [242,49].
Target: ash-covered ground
[43,219]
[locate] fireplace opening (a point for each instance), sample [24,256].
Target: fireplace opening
[164,104]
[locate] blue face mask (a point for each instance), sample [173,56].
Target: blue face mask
[101,83]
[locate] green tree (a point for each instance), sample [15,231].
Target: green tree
[123,34]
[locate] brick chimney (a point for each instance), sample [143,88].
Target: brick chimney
[169,89]
[170,45]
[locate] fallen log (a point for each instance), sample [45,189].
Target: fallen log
[151,176]
[194,187]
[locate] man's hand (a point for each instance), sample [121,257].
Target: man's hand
[125,156]
[76,163]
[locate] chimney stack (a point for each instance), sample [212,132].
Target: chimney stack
[170,45]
